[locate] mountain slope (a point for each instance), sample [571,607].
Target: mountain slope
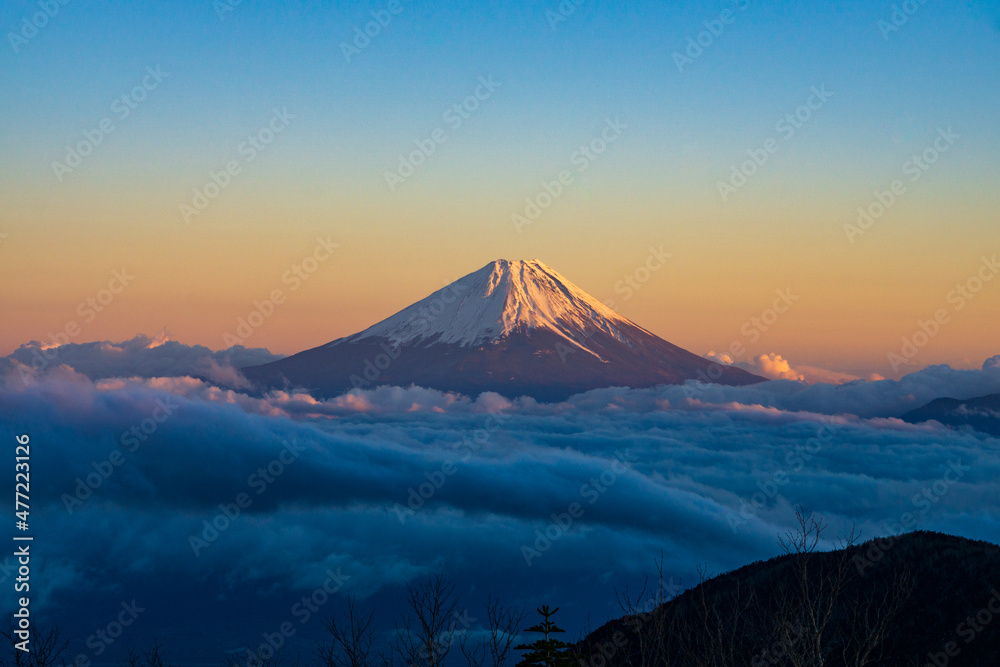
[915,596]
[512,327]
[982,414]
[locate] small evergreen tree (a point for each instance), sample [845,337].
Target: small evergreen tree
[546,651]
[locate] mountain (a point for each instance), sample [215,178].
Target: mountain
[517,328]
[920,598]
[981,414]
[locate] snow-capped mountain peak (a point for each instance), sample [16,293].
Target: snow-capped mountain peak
[502,297]
[517,328]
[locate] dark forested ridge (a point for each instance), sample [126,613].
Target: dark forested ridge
[917,599]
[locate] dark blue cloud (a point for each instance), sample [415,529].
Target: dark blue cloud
[391,484]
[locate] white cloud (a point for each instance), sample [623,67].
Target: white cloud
[775,367]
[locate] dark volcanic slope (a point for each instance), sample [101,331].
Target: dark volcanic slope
[948,586]
[537,364]
[982,414]
[515,328]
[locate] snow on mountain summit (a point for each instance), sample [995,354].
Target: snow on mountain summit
[516,328]
[502,297]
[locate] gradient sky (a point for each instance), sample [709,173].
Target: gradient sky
[656,186]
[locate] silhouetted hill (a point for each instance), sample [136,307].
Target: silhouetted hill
[905,601]
[982,414]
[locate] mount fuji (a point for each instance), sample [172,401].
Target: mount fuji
[517,328]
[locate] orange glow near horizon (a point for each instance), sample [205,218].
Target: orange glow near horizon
[855,302]
[656,184]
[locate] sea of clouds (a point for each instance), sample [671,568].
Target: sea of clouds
[136,472]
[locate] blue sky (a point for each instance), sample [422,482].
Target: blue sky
[354,118]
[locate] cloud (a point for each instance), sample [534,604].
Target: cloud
[390,484]
[772,366]
[394,483]
[868,399]
[775,367]
[878,397]
[815,375]
[140,356]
